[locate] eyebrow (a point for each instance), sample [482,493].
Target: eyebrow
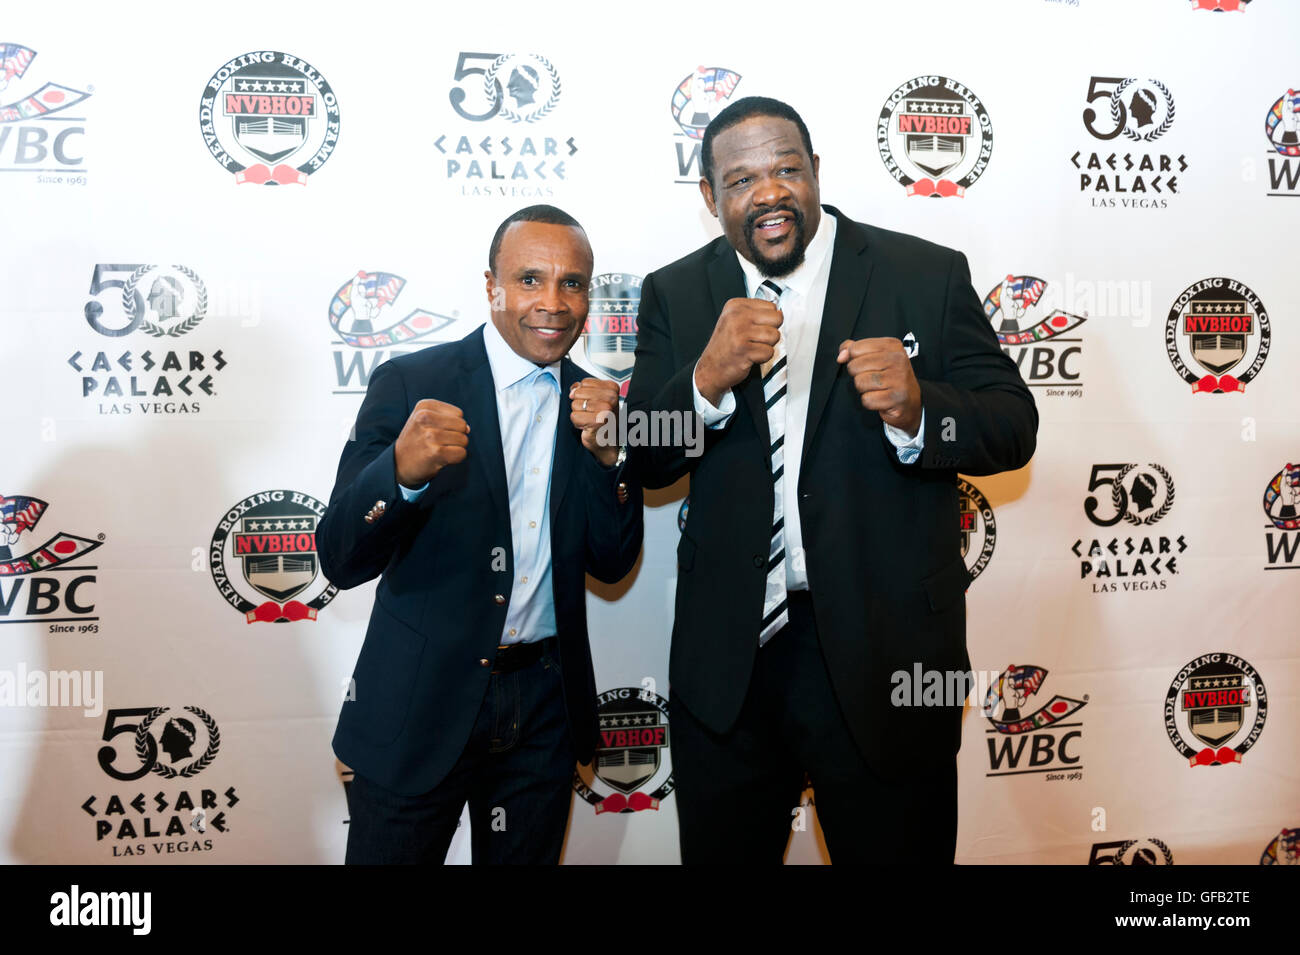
[741,167]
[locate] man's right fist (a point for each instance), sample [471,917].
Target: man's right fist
[746,334]
[434,436]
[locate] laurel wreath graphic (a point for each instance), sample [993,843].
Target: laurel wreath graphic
[1119,497]
[194,768]
[1152,134]
[490,89]
[180,328]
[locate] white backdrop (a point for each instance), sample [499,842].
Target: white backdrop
[133,189]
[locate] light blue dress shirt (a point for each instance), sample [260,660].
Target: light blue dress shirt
[528,407]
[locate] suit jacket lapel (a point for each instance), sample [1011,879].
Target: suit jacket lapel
[481,415]
[567,443]
[845,290]
[727,281]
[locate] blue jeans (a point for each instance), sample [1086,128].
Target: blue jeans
[516,773]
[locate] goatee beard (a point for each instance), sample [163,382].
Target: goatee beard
[776,268]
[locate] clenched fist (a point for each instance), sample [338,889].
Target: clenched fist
[882,373]
[595,401]
[434,436]
[746,334]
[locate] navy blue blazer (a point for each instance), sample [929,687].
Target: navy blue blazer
[444,586]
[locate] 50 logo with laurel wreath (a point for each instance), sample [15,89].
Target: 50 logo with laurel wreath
[189,740]
[1139,494]
[527,79]
[161,300]
[1141,110]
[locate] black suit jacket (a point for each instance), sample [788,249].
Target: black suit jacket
[447,565]
[881,538]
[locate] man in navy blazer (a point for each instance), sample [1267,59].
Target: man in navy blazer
[480,502]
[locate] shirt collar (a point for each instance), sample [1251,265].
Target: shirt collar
[814,257]
[509,367]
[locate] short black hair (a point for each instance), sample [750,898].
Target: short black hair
[549,215]
[737,113]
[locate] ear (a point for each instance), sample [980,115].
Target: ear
[491,283]
[817,166]
[706,190]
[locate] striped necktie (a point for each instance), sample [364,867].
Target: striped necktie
[775,609]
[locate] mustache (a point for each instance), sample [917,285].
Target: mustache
[751,220]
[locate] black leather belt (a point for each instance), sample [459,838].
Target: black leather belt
[516,656]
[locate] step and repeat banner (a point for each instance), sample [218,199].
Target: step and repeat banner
[217,225]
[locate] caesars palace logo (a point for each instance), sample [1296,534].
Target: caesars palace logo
[979,530]
[1136,111]
[1131,852]
[631,771]
[270,538]
[163,302]
[37,135]
[1217,336]
[175,744]
[935,137]
[1214,702]
[1137,495]
[1042,340]
[696,100]
[609,337]
[269,118]
[365,318]
[529,156]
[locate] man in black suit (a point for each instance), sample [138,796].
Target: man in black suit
[845,375]
[468,489]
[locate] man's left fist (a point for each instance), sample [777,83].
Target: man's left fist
[595,400]
[882,373]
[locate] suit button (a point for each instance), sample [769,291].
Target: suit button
[485,662]
[806,496]
[759,561]
[498,599]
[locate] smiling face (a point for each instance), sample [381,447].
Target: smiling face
[765,192]
[543,272]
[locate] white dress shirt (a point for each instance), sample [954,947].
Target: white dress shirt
[528,407]
[802,303]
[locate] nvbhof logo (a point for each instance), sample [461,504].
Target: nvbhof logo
[631,771]
[979,530]
[270,537]
[1006,707]
[935,136]
[1215,700]
[1220,6]
[1284,849]
[1217,336]
[269,118]
[609,337]
[1131,852]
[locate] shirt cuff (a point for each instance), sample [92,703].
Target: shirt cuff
[909,449]
[714,418]
[413,494]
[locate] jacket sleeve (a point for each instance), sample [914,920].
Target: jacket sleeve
[981,418]
[659,386]
[614,528]
[353,549]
